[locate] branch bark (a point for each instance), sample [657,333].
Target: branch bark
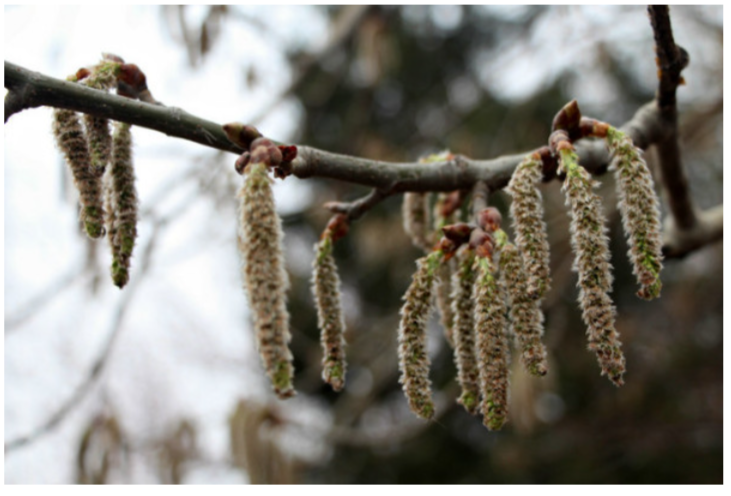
[650,125]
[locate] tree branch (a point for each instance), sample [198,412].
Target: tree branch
[648,126]
[671,60]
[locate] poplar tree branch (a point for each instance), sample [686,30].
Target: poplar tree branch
[31,89]
[671,60]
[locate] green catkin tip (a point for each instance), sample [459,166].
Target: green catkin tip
[260,245]
[639,207]
[590,245]
[326,292]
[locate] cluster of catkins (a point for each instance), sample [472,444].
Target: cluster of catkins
[100,161]
[488,289]
[495,287]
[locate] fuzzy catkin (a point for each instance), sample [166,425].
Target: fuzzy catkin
[526,211]
[265,276]
[468,374]
[525,313]
[102,77]
[492,345]
[415,213]
[413,358]
[326,290]
[591,251]
[121,199]
[444,300]
[639,206]
[71,140]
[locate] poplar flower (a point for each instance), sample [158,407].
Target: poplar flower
[326,290]
[468,374]
[71,141]
[265,277]
[591,250]
[415,212]
[639,206]
[103,76]
[121,194]
[413,358]
[530,229]
[525,313]
[492,344]
[444,300]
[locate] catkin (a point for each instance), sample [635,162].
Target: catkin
[591,251]
[639,206]
[444,301]
[413,358]
[415,213]
[326,290]
[468,374]
[492,345]
[121,201]
[265,277]
[71,140]
[526,211]
[525,313]
[102,77]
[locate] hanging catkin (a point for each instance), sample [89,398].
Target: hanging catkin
[265,276]
[326,290]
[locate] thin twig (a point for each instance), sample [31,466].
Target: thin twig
[355,209]
[671,60]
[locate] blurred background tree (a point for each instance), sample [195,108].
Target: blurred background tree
[395,83]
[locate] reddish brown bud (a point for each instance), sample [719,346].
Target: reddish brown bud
[337,227]
[132,75]
[241,134]
[459,233]
[550,164]
[482,242]
[82,73]
[556,139]
[593,128]
[264,150]
[447,247]
[242,162]
[289,153]
[451,203]
[568,119]
[489,219]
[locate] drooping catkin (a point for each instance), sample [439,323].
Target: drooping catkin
[492,344]
[265,276]
[71,140]
[326,290]
[526,211]
[102,77]
[525,313]
[415,213]
[465,356]
[121,200]
[591,251]
[444,300]
[639,206]
[413,358]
